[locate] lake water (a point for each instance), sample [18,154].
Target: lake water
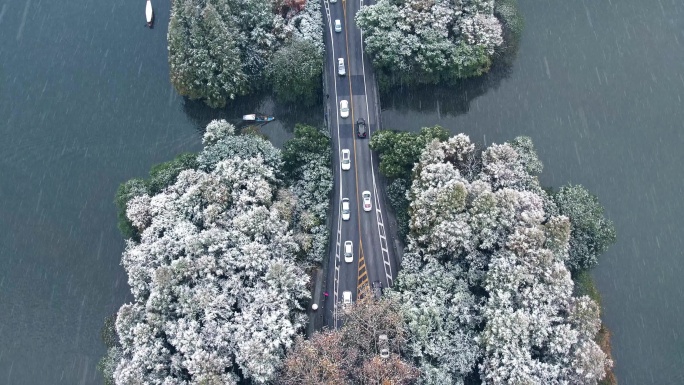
[598,85]
[85,103]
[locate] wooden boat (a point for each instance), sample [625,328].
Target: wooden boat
[149,13]
[257,118]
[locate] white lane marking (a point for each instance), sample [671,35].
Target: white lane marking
[336,284]
[378,212]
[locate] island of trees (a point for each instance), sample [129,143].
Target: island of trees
[219,247]
[437,42]
[221,242]
[222,49]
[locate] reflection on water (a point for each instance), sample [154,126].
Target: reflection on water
[277,131]
[444,100]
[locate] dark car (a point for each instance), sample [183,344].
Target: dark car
[361,130]
[376,288]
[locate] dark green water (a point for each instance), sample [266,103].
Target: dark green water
[598,85]
[85,103]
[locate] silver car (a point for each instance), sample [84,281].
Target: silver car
[346,297]
[344,109]
[346,160]
[346,211]
[348,252]
[366,195]
[383,345]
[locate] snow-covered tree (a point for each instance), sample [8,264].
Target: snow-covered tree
[430,41]
[217,293]
[484,287]
[307,167]
[592,233]
[218,49]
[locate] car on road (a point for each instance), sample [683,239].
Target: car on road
[340,67]
[348,252]
[346,211]
[361,129]
[376,288]
[344,109]
[346,159]
[366,195]
[383,345]
[338,25]
[346,297]
[333,1]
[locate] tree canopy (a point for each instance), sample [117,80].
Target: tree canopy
[217,267]
[399,151]
[350,355]
[421,41]
[220,49]
[484,288]
[592,233]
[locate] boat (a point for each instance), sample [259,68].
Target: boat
[149,13]
[258,118]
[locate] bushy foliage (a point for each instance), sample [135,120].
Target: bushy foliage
[307,167]
[161,176]
[231,146]
[399,151]
[164,174]
[219,49]
[217,294]
[421,41]
[350,355]
[592,232]
[127,191]
[396,194]
[484,288]
[307,141]
[107,364]
[295,73]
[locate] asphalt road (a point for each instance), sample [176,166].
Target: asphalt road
[373,254]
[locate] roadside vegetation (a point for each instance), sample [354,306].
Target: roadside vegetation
[222,49]
[486,287]
[217,258]
[436,42]
[351,354]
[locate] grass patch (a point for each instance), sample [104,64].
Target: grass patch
[584,285]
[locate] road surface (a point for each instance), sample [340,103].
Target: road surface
[374,258]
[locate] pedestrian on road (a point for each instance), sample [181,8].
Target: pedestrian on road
[325,294]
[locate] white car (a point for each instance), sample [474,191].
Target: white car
[346,160]
[348,252]
[346,297]
[338,25]
[366,201]
[346,212]
[344,109]
[333,1]
[383,345]
[340,67]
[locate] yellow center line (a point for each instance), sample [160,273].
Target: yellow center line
[361,260]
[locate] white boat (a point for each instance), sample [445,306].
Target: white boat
[149,13]
[257,118]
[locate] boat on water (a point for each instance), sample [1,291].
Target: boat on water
[149,13]
[257,118]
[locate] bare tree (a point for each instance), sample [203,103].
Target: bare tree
[392,370]
[324,359]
